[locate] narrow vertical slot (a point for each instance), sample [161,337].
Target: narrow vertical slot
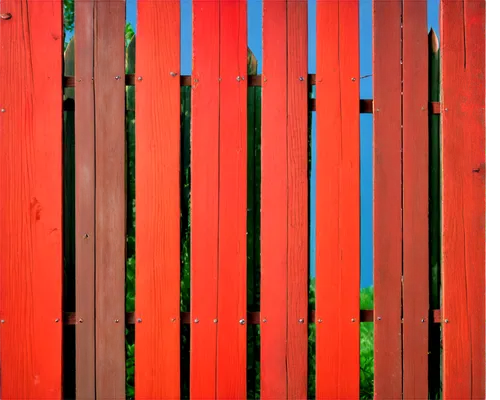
[185,179]
[254,32]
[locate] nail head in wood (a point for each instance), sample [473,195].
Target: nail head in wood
[242,321]
[6,16]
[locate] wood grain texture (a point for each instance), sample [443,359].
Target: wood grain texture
[158,110]
[463,204]
[31,249]
[232,293]
[297,214]
[387,213]
[85,199]
[204,198]
[274,215]
[109,71]
[338,201]
[415,200]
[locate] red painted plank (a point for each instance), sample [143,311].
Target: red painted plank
[31,200]
[463,205]
[157,336]
[297,214]
[415,200]
[85,199]
[232,294]
[204,198]
[387,215]
[338,197]
[273,297]
[109,73]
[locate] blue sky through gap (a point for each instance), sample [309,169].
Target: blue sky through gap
[366,121]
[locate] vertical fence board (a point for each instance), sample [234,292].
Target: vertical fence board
[415,200]
[463,205]
[157,345]
[274,202]
[84,199]
[297,214]
[338,213]
[387,215]
[31,200]
[109,71]
[232,293]
[204,198]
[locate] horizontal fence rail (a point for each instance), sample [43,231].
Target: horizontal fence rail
[365,105]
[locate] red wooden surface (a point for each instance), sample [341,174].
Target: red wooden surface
[109,72]
[84,199]
[463,193]
[415,200]
[387,215]
[232,293]
[273,292]
[31,200]
[204,198]
[338,200]
[157,336]
[297,153]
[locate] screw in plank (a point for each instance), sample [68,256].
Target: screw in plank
[320,321]
[80,321]
[172,74]
[379,318]
[422,320]
[353,319]
[139,320]
[301,321]
[196,320]
[301,78]
[86,236]
[117,77]
[242,321]
[378,110]
[446,109]
[2,110]
[264,320]
[238,78]
[353,79]
[139,78]
[117,320]
[215,320]
[57,320]
[446,321]
[172,320]
[6,16]
[2,321]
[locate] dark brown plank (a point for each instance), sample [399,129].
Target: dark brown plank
[415,200]
[109,72]
[387,215]
[84,199]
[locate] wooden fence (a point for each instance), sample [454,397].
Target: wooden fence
[68,323]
